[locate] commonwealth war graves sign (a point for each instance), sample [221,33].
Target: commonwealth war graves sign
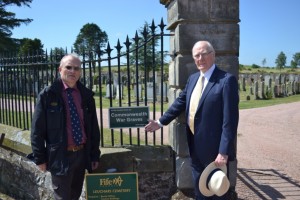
[128,117]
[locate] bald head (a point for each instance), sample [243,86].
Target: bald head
[204,44]
[204,55]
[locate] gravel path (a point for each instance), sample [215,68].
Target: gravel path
[268,152]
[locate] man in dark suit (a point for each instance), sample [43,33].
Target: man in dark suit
[212,121]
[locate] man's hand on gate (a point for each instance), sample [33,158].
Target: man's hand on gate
[152,126]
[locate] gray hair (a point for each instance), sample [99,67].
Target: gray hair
[74,55]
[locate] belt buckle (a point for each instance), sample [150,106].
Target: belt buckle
[76,148]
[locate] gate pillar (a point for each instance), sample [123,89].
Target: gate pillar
[191,21]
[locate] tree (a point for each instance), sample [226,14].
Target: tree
[8,21]
[144,54]
[255,66]
[90,40]
[58,51]
[264,61]
[29,46]
[281,60]
[296,60]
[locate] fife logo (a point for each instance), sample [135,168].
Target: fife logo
[111,182]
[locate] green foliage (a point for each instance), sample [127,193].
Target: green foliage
[90,40]
[28,46]
[8,21]
[269,93]
[241,67]
[144,54]
[249,70]
[254,66]
[58,51]
[281,60]
[296,60]
[264,61]
[107,138]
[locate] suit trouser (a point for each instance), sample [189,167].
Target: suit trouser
[69,187]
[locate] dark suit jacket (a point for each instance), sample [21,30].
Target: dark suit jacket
[216,118]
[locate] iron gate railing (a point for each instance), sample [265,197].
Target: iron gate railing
[117,81]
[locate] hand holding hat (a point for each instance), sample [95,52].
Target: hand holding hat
[214,181]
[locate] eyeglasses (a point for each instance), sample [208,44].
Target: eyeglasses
[203,55]
[74,68]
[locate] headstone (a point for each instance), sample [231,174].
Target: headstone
[267,79]
[293,87]
[283,79]
[243,83]
[149,90]
[270,83]
[262,90]
[109,94]
[256,90]
[291,77]
[277,80]
[283,90]
[164,90]
[276,91]
[137,91]
[251,90]
[118,95]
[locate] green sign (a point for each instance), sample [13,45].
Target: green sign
[128,117]
[112,186]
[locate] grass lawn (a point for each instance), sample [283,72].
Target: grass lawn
[125,139]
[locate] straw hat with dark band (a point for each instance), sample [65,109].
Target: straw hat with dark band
[214,181]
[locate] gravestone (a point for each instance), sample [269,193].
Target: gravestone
[150,89]
[118,89]
[137,91]
[109,92]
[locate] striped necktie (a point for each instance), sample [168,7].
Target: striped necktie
[194,102]
[75,120]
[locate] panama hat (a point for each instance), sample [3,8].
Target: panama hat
[214,181]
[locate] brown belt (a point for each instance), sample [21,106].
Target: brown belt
[75,148]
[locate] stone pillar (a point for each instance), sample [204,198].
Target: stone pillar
[191,21]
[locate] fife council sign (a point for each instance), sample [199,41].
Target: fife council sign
[112,186]
[128,117]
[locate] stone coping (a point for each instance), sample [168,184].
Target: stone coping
[125,158]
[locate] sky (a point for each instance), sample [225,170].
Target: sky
[267,27]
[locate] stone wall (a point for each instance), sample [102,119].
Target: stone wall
[20,179]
